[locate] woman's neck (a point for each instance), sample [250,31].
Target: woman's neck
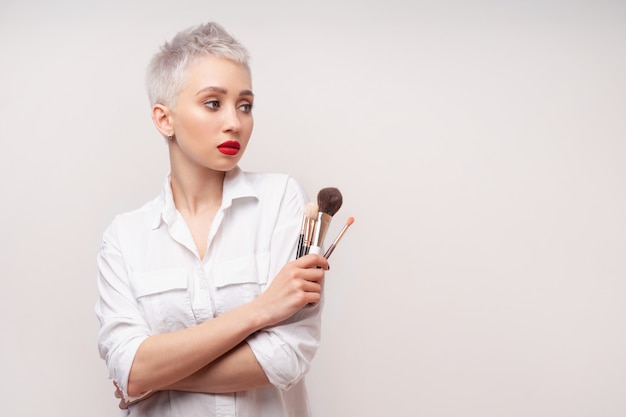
[198,191]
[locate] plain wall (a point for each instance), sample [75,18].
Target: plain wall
[480,145]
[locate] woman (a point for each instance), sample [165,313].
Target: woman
[203,312]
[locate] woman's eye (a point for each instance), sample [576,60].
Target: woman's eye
[246,108]
[212,104]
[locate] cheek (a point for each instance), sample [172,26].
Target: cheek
[196,120]
[247,125]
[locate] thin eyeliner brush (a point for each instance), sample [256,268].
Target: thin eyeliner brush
[332,247]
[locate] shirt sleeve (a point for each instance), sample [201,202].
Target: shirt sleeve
[285,351]
[122,327]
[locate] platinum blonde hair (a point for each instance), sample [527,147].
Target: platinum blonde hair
[167,69]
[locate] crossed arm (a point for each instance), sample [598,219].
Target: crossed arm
[236,370]
[213,356]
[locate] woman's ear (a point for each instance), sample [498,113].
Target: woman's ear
[162,118]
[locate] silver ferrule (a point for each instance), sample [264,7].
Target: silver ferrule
[321,227]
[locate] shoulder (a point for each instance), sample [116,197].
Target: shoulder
[270,184]
[277,194]
[134,222]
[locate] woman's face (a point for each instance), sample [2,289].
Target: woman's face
[212,120]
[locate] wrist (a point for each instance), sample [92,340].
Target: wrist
[258,317]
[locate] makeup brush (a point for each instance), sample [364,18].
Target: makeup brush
[310,212]
[329,201]
[332,247]
[310,227]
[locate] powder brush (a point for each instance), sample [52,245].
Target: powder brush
[329,202]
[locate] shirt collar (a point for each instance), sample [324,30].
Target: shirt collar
[236,185]
[164,210]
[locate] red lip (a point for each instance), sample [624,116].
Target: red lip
[230,147]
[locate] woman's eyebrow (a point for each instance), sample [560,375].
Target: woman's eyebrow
[212,89]
[223,91]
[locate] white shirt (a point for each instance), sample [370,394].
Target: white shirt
[151,280]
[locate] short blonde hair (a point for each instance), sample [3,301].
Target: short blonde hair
[167,68]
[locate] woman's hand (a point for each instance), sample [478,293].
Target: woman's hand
[298,284]
[123,405]
[118,394]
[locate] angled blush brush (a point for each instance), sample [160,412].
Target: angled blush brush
[332,247]
[329,201]
[310,212]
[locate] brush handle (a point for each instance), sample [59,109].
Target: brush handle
[332,247]
[316,250]
[308,235]
[300,250]
[329,251]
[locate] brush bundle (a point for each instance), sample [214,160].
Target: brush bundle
[316,221]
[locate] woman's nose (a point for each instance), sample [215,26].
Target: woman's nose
[231,120]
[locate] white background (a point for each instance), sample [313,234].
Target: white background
[480,145]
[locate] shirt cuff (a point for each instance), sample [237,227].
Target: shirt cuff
[278,360]
[119,367]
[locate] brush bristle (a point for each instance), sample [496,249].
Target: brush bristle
[310,210]
[329,200]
